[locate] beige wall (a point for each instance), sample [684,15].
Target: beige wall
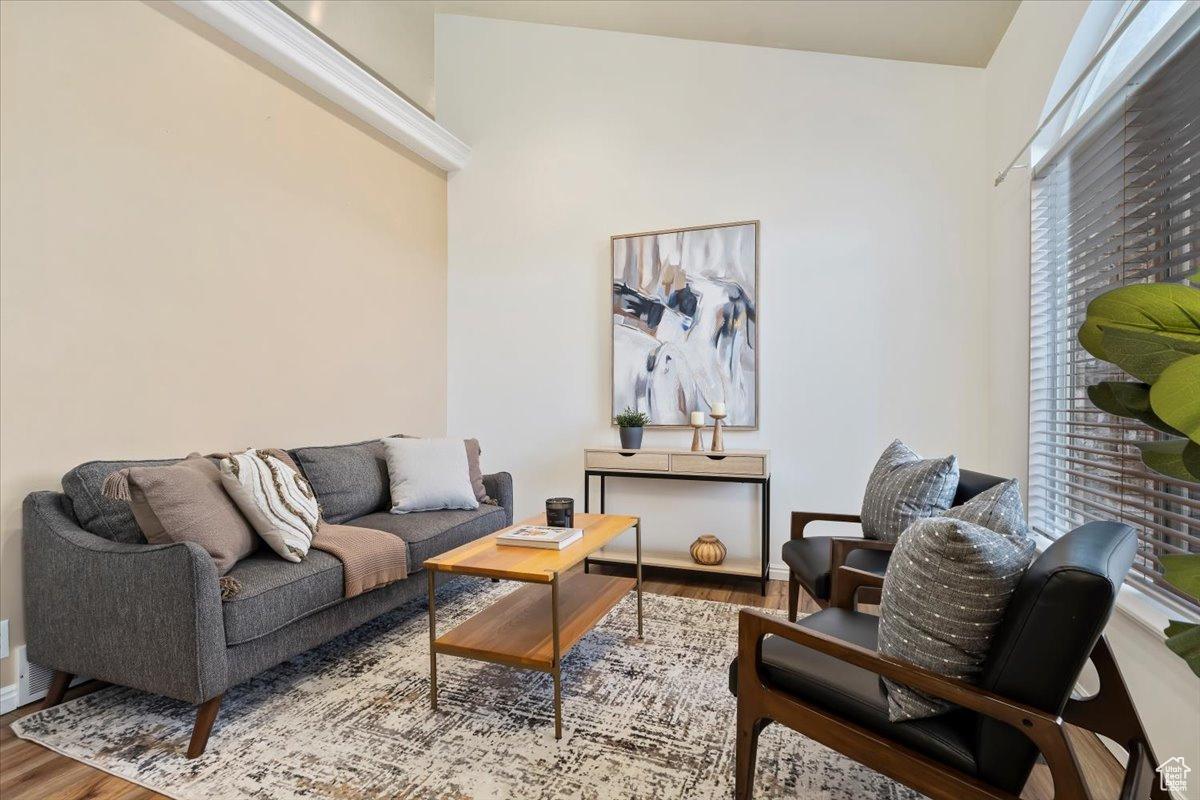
[194,256]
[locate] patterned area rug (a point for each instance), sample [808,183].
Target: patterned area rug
[352,720]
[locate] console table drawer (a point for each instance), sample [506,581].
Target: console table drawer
[718,465]
[633,462]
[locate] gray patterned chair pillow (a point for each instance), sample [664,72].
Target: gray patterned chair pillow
[999,509]
[904,487]
[947,586]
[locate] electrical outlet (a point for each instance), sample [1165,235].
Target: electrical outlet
[3,638]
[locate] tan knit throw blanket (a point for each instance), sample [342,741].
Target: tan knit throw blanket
[370,558]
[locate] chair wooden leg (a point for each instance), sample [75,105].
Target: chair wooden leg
[747,754]
[793,596]
[1111,713]
[58,688]
[206,715]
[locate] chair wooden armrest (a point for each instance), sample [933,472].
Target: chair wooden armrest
[841,548]
[846,583]
[1041,728]
[800,520]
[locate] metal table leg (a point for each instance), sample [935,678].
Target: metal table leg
[766,535]
[587,507]
[557,658]
[432,639]
[638,536]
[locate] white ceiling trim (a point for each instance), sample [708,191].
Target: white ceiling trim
[272,33]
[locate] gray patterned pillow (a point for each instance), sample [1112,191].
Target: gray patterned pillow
[999,509]
[947,586]
[904,487]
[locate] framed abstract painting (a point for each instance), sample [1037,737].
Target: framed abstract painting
[685,323]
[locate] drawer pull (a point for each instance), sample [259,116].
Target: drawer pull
[716,458]
[627,455]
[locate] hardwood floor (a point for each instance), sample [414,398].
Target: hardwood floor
[29,771]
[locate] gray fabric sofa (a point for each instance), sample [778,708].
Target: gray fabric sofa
[101,602]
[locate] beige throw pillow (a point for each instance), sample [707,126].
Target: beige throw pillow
[473,453]
[185,502]
[276,498]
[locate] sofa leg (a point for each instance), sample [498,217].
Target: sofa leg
[793,596]
[206,715]
[747,755]
[58,688]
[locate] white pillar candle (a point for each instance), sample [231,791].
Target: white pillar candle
[718,409]
[697,419]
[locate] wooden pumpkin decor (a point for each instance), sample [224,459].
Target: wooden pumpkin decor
[708,550]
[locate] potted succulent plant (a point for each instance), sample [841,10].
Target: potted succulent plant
[632,423]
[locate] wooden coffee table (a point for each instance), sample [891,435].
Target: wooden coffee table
[533,627]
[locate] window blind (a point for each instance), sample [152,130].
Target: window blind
[1119,205]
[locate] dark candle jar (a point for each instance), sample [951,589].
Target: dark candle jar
[560,512]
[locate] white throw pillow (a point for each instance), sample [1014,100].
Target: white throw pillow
[275,498]
[428,475]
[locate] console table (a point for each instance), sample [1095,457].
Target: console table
[731,466]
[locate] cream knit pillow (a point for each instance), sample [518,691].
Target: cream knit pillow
[276,499]
[429,475]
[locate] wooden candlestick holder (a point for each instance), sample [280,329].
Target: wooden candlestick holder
[718,444]
[697,439]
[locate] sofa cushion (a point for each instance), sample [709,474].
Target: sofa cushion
[275,593]
[431,533]
[349,479]
[856,694]
[100,515]
[809,560]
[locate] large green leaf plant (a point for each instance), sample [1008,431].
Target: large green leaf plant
[1152,332]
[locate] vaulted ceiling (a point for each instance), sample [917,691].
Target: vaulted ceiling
[961,32]
[395,38]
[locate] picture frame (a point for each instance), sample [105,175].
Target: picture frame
[685,315]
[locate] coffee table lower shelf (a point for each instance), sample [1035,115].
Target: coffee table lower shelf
[517,630]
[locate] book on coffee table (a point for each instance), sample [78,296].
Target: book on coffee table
[538,536]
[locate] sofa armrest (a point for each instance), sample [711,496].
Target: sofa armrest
[139,615]
[499,487]
[801,519]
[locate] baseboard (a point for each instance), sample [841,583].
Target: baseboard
[778,572]
[8,698]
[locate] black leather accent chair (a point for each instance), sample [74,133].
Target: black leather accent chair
[813,562]
[821,677]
